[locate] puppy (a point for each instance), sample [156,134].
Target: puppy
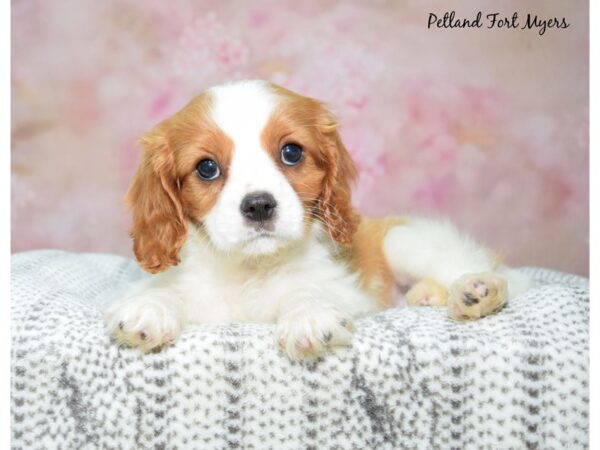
[242,210]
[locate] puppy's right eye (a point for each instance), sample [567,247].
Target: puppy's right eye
[208,170]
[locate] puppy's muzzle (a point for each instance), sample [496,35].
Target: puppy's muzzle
[258,206]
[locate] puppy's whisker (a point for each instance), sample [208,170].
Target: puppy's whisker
[332,213]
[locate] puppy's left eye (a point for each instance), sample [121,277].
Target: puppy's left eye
[208,170]
[291,154]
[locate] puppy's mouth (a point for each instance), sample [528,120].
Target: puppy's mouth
[262,241]
[261,233]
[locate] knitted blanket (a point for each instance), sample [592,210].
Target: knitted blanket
[413,378]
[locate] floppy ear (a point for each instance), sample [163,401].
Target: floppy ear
[336,194]
[159,226]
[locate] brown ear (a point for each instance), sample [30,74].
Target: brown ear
[336,195]
[159,226]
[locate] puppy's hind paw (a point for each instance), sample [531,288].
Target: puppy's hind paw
[427,293]
[477,295]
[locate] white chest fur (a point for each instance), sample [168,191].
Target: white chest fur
[217,287]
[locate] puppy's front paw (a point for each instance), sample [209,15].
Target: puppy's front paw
[143,322]
[307,332]
[477,295]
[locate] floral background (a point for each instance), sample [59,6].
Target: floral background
[486,127]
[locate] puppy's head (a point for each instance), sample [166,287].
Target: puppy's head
[252,164]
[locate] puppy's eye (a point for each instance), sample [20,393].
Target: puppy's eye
[208,170]
[291,154]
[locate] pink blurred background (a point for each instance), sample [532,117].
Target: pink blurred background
[486,127]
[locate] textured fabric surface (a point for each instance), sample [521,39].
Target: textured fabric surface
[412,379]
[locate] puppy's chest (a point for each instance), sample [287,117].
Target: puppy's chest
[239,293]
[255,292]
[254,296]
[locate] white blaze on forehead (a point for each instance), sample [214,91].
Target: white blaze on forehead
[242,109]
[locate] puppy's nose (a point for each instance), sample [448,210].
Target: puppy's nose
[258,206]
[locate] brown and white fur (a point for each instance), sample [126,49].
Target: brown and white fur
[310,267]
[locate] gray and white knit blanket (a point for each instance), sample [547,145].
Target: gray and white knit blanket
[413,378]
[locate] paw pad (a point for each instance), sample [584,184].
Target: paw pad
[304,343]
[481,288]
[469,299]
[476,295]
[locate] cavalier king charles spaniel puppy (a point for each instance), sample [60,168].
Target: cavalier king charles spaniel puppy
[242,211]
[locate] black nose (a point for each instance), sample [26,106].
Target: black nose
[258,206]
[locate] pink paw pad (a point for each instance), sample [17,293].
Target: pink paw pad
[304,343]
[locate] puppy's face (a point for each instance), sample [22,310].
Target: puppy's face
[250,163]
